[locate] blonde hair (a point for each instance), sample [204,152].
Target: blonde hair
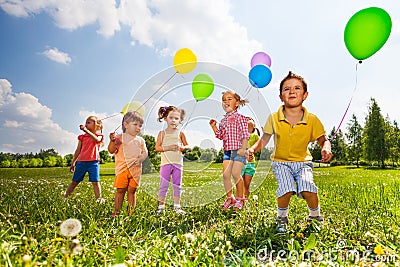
[98,123]
[241,101]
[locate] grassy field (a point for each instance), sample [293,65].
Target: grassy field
[361,209]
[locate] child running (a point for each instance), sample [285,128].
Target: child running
[233,131]
[249,169]
[130,151]
[86,158]
[171,142]
[294,128]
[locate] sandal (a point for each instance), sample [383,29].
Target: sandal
[239,203]
[227,204]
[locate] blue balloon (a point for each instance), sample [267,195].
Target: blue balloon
[260,76]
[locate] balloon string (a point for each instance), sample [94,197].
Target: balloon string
[156,91]
[348,106]
[117,128]
[247,91]
[190,115]
[110,116]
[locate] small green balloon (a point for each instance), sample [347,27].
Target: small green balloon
[202,87]
[367,31]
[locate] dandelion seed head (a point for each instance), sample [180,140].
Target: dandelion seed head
[190,237]
[26,258]
[255,197]
[70,227]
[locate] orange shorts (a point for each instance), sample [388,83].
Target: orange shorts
[128,178]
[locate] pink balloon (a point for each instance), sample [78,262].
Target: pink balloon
[261,58]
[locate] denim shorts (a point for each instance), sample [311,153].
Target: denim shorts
[91,167]
[234,156]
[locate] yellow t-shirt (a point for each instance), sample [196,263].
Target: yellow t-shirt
[253,139]
[171,157]
[291,142]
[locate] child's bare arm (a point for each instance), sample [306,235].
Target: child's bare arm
[325,145]
[160,148]
[260,144]
[112,147]
[242,150]
[213,124]
[185,145]
[92,135]
[75,157]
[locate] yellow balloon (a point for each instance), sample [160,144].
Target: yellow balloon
[134,106]
[184,61]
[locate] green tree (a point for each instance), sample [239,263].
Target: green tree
[68,159]
[46,153]
[392,140]
[354,138]
[207,155]
[315,151]
[50,161]
[60,162]
[219,157]
[374,135]
[194,154]
[14,163]
[5,163]
[104,157]
[23,163]
[338,146]
[154,158]
[35,162]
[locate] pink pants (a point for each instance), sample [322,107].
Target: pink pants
[166,172]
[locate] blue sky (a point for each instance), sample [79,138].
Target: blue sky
[61,61]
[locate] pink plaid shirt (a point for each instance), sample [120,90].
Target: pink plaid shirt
[232,129]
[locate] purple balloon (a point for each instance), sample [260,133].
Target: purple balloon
[260,58]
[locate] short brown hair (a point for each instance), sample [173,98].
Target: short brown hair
[292,75]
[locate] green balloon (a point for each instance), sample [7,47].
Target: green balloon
[367,31]
[202,87]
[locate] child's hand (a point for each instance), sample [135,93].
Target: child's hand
[83,127]
[112,136]
[326,154]
[213,122]
[250,156]
[242,152]
[72,168]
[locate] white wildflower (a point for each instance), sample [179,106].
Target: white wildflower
[190,237]
[70,227]
[255,197]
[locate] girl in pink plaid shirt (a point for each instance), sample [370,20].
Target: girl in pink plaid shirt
[233,131]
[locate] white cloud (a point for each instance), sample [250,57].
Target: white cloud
[58,56]
[12,124]
[26,124]
[205,26]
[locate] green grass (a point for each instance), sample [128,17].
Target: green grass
[361,209]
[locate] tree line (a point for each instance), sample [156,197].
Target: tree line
[375,143]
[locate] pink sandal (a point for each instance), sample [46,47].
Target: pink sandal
[227,204]
[239,205]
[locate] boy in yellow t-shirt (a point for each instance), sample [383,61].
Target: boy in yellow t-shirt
[294,128]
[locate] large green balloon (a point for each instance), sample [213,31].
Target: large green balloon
[367,31]
[202,87]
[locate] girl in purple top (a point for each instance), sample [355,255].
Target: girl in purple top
[233,131]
